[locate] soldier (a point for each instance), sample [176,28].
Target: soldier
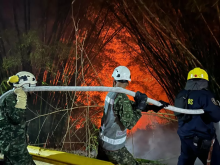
[13,128]
[120,114]
[197,133]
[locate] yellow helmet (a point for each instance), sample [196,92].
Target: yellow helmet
[198,73]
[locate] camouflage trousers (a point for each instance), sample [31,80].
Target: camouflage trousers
[121,156]
[17,154]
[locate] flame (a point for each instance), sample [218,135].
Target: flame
[116,55]
[45,76]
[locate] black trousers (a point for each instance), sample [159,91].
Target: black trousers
[101,154]
[189,153]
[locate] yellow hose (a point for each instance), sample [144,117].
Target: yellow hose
[62,158]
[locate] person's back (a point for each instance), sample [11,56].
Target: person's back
[201,125]
[13,132]
[121,114]
[112,128]
[118,116]
[13,127]
[197,132]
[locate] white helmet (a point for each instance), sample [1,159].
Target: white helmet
[122,73]
[23,79]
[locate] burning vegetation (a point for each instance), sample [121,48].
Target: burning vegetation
[79,43]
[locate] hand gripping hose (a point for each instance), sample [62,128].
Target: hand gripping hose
[103,89]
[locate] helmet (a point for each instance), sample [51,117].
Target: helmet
[122,73]
[23,79]
[198,73]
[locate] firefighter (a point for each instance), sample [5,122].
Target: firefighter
[13,140]
[120,114]
[197,132]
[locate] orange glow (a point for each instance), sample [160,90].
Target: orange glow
[115,54]
[80,123]
[45,76]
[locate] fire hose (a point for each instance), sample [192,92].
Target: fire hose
[100,89]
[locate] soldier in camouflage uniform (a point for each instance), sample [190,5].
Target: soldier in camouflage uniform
[13,128]
[120,114]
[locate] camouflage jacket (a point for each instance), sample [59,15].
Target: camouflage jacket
[126,111]
[12,122]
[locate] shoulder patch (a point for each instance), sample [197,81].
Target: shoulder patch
[214,102]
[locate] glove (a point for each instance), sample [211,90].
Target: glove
[141,100]
[164,104]
[156,108]
[21,98]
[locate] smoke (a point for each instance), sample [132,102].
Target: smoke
[158,143]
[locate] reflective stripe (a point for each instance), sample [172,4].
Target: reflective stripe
[109,100]
[112,141]
[210,152]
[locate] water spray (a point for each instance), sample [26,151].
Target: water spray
[101,89]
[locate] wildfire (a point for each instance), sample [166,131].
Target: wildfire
[141,81]
[114,54]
